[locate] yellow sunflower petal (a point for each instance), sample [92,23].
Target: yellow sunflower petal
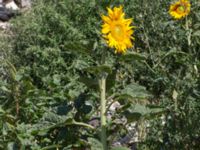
[128,21]
[118,12]
[110,12]
[105,19]
[105,28]
[116,30]
[180,9]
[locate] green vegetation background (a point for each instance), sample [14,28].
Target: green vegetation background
[44,67]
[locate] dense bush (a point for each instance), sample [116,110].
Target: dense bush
[49,91]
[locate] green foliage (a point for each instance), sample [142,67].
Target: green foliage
[95,144]
[120,148]
[52,61]
[136,112]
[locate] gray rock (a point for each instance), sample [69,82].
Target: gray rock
[5,14]
[4,17]
[1,3]
[5,25]
[23,3]
[11,5]
[26,3]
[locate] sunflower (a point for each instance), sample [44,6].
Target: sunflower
[180,9]
[117,30]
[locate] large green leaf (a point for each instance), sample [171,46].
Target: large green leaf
[135,112]
[93,83]
[98,70]
[1,110]
[5,89]
[95,144]
[134,91]
[90,83]
[110,81]
[196,33]
[132,56]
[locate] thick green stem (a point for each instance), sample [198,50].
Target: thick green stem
[188,32]
[102,84]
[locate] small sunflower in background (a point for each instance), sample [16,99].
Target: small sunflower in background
[180,9]
[117,30]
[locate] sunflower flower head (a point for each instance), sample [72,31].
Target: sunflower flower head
[116,30]
[180,9]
